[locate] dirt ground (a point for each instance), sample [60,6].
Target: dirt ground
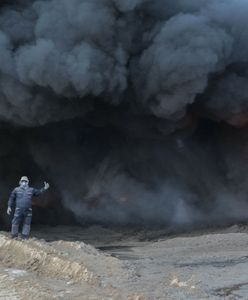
[104,263]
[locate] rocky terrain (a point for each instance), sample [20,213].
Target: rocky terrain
[101,263]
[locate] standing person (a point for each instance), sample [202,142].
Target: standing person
[22,196]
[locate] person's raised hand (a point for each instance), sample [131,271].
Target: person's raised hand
[46,185]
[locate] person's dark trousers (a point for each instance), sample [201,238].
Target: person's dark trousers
[21,215]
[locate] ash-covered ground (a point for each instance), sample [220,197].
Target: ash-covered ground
[70,262]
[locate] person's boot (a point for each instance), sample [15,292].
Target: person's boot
[24,237]
[14,231]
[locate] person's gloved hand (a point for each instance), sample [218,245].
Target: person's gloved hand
[46,185]
[9,210]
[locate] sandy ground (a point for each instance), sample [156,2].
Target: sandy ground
[102,263]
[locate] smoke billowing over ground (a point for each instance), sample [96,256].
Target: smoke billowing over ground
[135,110]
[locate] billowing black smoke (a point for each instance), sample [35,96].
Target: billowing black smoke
[135,110]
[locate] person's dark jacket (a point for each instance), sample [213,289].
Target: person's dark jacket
[23,196]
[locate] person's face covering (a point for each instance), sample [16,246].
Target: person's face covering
[23,183]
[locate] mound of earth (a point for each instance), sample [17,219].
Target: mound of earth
[119,263]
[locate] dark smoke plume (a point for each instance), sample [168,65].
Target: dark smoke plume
[136,110]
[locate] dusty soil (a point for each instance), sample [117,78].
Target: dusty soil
[102,263]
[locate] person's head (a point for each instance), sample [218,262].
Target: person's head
[24,181]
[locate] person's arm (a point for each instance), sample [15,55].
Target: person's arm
[11,201]
[37,192]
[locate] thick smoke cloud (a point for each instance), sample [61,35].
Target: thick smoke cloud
[174,70]
[118,90]
[80,49]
